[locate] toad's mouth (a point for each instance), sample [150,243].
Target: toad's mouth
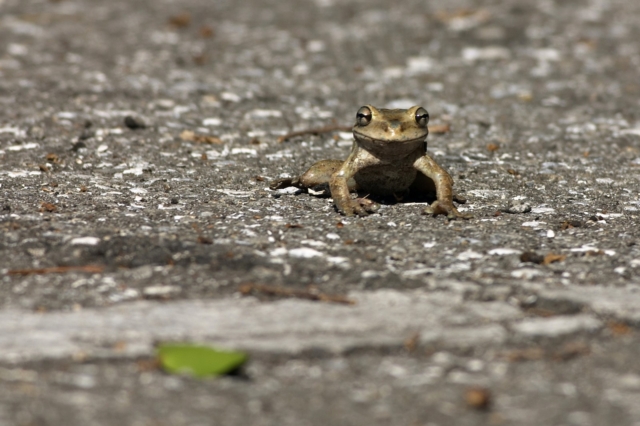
[361,137]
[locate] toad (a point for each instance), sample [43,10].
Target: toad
[388,157]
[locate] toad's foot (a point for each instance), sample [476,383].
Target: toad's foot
[361,207]
[284,183]
[368,205]
[439,207]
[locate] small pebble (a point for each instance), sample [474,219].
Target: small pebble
[78,145]
[478,398]
[287,190]
[134,123]
[516,208]
[160,291]
[532,257]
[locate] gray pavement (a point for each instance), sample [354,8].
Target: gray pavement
[118,234]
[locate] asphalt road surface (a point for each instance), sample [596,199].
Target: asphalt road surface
[137,143]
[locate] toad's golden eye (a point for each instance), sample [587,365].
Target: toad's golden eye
[422,117]
[363,116]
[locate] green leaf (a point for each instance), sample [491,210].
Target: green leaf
[199,361]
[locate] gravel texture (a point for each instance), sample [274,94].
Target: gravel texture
[137,143]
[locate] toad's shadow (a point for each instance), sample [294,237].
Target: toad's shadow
[406,197]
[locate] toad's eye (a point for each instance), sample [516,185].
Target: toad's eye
[363,116]
[422,117]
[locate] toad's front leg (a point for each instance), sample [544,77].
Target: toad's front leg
[340,188]
[444,188]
